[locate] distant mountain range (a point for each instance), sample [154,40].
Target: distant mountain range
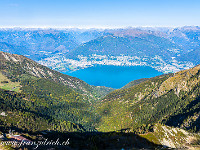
[75,48]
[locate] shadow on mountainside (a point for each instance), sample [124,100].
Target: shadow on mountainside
[101,140]
[190,110]
[87,140]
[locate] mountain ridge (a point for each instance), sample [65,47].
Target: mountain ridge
[153,100]
[46,46]
[38,70]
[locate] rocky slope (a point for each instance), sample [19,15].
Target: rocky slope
[171,137]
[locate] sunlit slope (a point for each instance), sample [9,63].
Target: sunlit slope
[139,107]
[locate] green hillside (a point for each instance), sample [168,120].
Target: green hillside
[172,99]
[20,114]
[15,66]
[47,92]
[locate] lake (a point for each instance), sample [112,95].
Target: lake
[113,76]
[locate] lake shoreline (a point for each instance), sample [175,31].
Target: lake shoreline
[113,76]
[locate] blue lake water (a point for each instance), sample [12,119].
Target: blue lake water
[113,76]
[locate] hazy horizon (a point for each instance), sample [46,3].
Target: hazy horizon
[90,28]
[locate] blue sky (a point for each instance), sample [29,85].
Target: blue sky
[98,13]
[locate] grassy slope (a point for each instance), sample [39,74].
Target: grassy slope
[151,101]
[9,85]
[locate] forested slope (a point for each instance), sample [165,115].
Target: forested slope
[172,99]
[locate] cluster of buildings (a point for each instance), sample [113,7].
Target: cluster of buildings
[63,64]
